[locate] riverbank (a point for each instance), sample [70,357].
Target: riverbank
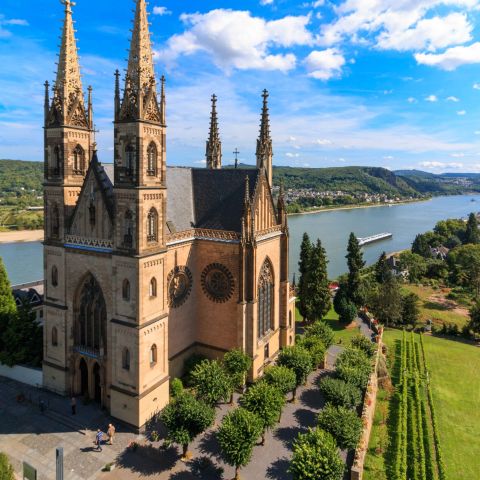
[21,236]
[363,205]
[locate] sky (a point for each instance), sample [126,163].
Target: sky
[389,83]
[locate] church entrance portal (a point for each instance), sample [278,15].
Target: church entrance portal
[83,377]
[97,387]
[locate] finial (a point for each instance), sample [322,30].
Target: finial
[94,146]
[247,189]
[90,108]
[163,102]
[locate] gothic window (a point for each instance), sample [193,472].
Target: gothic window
[55,221]
[92,214]
[266,352]
[128,230]
[153,354]
[129,159]
[152,159]
[57,160]
[126,359]
[265,299]
[78,160]
[179,286]
[153,287]
[217,282]
[152,226]
[54,276]
[290,319]
[126,290]
[91,324]
[54,337]
[290,340]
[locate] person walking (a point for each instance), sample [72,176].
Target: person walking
[73,404]
[110,433]
[98,440]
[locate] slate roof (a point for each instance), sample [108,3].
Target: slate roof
[202,198]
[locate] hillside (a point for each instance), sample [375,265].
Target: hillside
[21,183]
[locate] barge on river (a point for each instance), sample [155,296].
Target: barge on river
[374,238]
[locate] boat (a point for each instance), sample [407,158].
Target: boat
[374,238]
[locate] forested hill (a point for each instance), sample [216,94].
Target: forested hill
[21,182]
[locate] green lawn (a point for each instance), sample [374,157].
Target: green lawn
[455,384]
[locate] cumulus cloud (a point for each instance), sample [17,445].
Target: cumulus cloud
[161,11]
[461,112]
[266,2]
[237,40]
[325,64]
[6,22]
[292,155]
[431,98]
[476,86]
[440,165]
[412,100]
[453,99]
[451,58]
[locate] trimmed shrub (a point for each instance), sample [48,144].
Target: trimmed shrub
[6,470]
[317,349]
[321,330]
[299,360]
[189,365]
[211,382]
[354,366]
[340,393]
[176,387]
[343,423]
[363,343]
[280,377]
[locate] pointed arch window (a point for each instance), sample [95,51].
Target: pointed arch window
[153,288]
[129,159]
[128,230]
[126,290]
[78,160]
[57,160]
[126,359]
[265,299]
[152,159]
[152,226]
[153,354]
[54,276]
[55,221]
[54,337]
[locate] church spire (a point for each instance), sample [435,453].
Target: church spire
[140,97]
[68,105]
[264,142]
[214,145]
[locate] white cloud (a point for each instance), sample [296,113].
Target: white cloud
[452,58]
[266,2]
[4,33]
[325,64]
[476,86]
[477,132]
[236,39]
[431,98]
[323,141]
[388,157]
[453,99]
[161,11]
[440,165]
[292,155]
[461,112]
[412,100]
[457,155]
[318,3]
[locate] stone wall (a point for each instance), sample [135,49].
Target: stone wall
[368,413]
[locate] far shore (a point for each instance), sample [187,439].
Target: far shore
[18,236]
[354,207]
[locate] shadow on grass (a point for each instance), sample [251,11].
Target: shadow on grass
[278,470]
[147,460]
[438,306]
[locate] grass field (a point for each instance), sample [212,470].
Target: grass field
[455,387]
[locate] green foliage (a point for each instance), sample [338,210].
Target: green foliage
[415,264]
[343,423]
[211,382]
[420,246]
[6,470]
[382,270]
[237,435]
[185,418]
[346,310]
[237,364]
[474,323]
[7,302]
[354,366]
[472,235]
[464,263]
[297,359]
[355,264]
[316,457]
[340,393]
[280,377]
[410,309]
[266,401]
[386,302]
[321,330]
[361,342]
[176,388]
[316,348]
[21,183]
[189,365]
[306,248]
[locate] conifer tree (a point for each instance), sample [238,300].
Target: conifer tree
[8,306]
[382,270]
[303,266]
[318,295]
[472,235]
[355,264]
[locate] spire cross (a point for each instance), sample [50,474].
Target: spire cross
[236,153]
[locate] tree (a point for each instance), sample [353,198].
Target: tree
[338,392]
[8,307]
[266,402]
[464,263]
[386,303]
[415,264]
[299,360]
[6,470]
[304,266]
[343,423]
[355,264]
[410,309]
[316,348]
[421,246]
[211,382]
[185,418]
[237,364]
[361,342]
[474,323]
[237,436]
[280,377]
[472,235]
[346,310]
[382,269]
[318,300]
[316,457]
[354,366]
[321,330]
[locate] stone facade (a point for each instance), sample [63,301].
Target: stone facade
[146,265]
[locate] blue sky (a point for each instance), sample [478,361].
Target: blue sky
[393,83]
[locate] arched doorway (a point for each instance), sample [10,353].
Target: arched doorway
[83,377]
[97,389]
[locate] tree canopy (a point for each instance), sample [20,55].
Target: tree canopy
[211,382]
[355,264]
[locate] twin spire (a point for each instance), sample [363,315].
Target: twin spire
[264,143]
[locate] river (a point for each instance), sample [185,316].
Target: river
[24,261]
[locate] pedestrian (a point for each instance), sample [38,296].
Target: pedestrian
[110,433]
[73,403]
[98,440]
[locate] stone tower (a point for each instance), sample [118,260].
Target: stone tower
[68,134]
[139,241]
[214,144]
[264,142]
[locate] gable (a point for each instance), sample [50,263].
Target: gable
[263,206]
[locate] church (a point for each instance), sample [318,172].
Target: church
[146,264]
